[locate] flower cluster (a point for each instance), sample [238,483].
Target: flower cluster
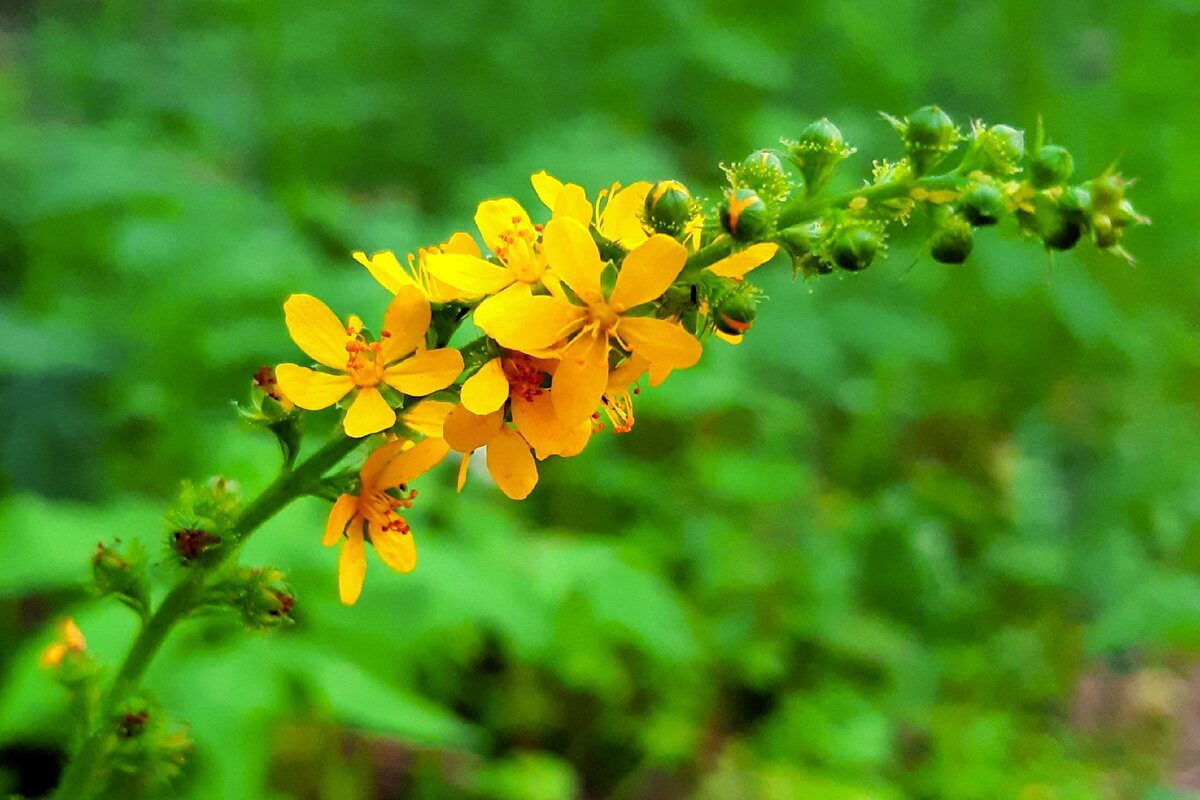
[574,310]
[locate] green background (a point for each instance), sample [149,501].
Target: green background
[931,532]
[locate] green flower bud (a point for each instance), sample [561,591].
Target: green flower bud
[951,242]
[744,215]
[817,151]
[854,248]
[798,241]
[997,150]
[736,312]
[1104,233]
[122,574]
[763,159]
[1063,221]
[668,207]
[1050,166]
[763,172]
[982,204]
[1107,191]
[929,135]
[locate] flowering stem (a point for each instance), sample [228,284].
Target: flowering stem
[84,774]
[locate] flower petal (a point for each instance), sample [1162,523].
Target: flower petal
[572,254]
[620,220]
[463,464]
[511,464]
[663,343]
[461,242]
[465,431]
[317,330]
[396,549]
[424,455]
[495,218]
[741,262]
[581,377]
[369,413]
[368,473]
[647,272]
[385,268]
[425,371]
[339,517]
[538,422]
[572,203]
[404,324]
[311,389]
[525,322]
[427,417]
[487,389]
[547,187]
[352,567]
[470,274]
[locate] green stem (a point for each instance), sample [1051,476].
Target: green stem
[84,775]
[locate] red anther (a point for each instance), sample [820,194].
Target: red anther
[516,220]
[538,228]
[385,334]
[637,390]
[595,415]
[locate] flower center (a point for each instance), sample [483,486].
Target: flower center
[603,316]
[365,364]
[521,251]
[524,376]
[380,507]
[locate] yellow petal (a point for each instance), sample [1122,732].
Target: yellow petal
[369,413]
[404,324]
[538,422]
[352,567]
[317,330]
[427,417]
[406,466]
[572,203]
[572,254]
[311,389]
[368,473]
[425,371]
[511,464]
[658,374]
[495,217]
[396,549]
[621,219]
[741,262]
[528,322]
[339,516]
[470,274]
[729,338]
[627,373]
[575,438]
[384,268]
[547,188]
[487,389]
[581,376]
[463,464]
[647,272]
[663,343]
[461,242]
[465,431]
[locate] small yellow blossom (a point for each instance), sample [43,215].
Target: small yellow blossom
[371,515]
[70,640]
[398,359]
[531,323]
[385,268]
[617,212]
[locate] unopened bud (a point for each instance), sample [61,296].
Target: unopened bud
[1050,166]
[854,248]
[982,204]
[121,571]
[929,135]
[817,151]
[668,207]
[744,215]
[736,313]
[951,242]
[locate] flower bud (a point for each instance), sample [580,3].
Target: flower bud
[982,204]
[1107,192]
[192,544]
[744,215]
[1050,166]
[122,574]
[259,595]
[736,312]
[995,150]
[854,248]
[1104,233]
[951,242]
[929,135]
[763,172]
[668,207]
[817,151]
[1063,221]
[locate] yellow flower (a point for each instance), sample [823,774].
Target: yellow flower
[371,515]
[70,640]
[532,323]
[510,235]
[513,382]
[617,213]
[398,359]
[738,264]
[386,269]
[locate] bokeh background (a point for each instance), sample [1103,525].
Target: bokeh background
[931,532]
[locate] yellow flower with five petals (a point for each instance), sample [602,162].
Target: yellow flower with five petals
[372,514]
[398,359]
[532,323]
[385,268]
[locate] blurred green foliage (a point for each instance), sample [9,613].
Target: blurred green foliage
[931,532]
